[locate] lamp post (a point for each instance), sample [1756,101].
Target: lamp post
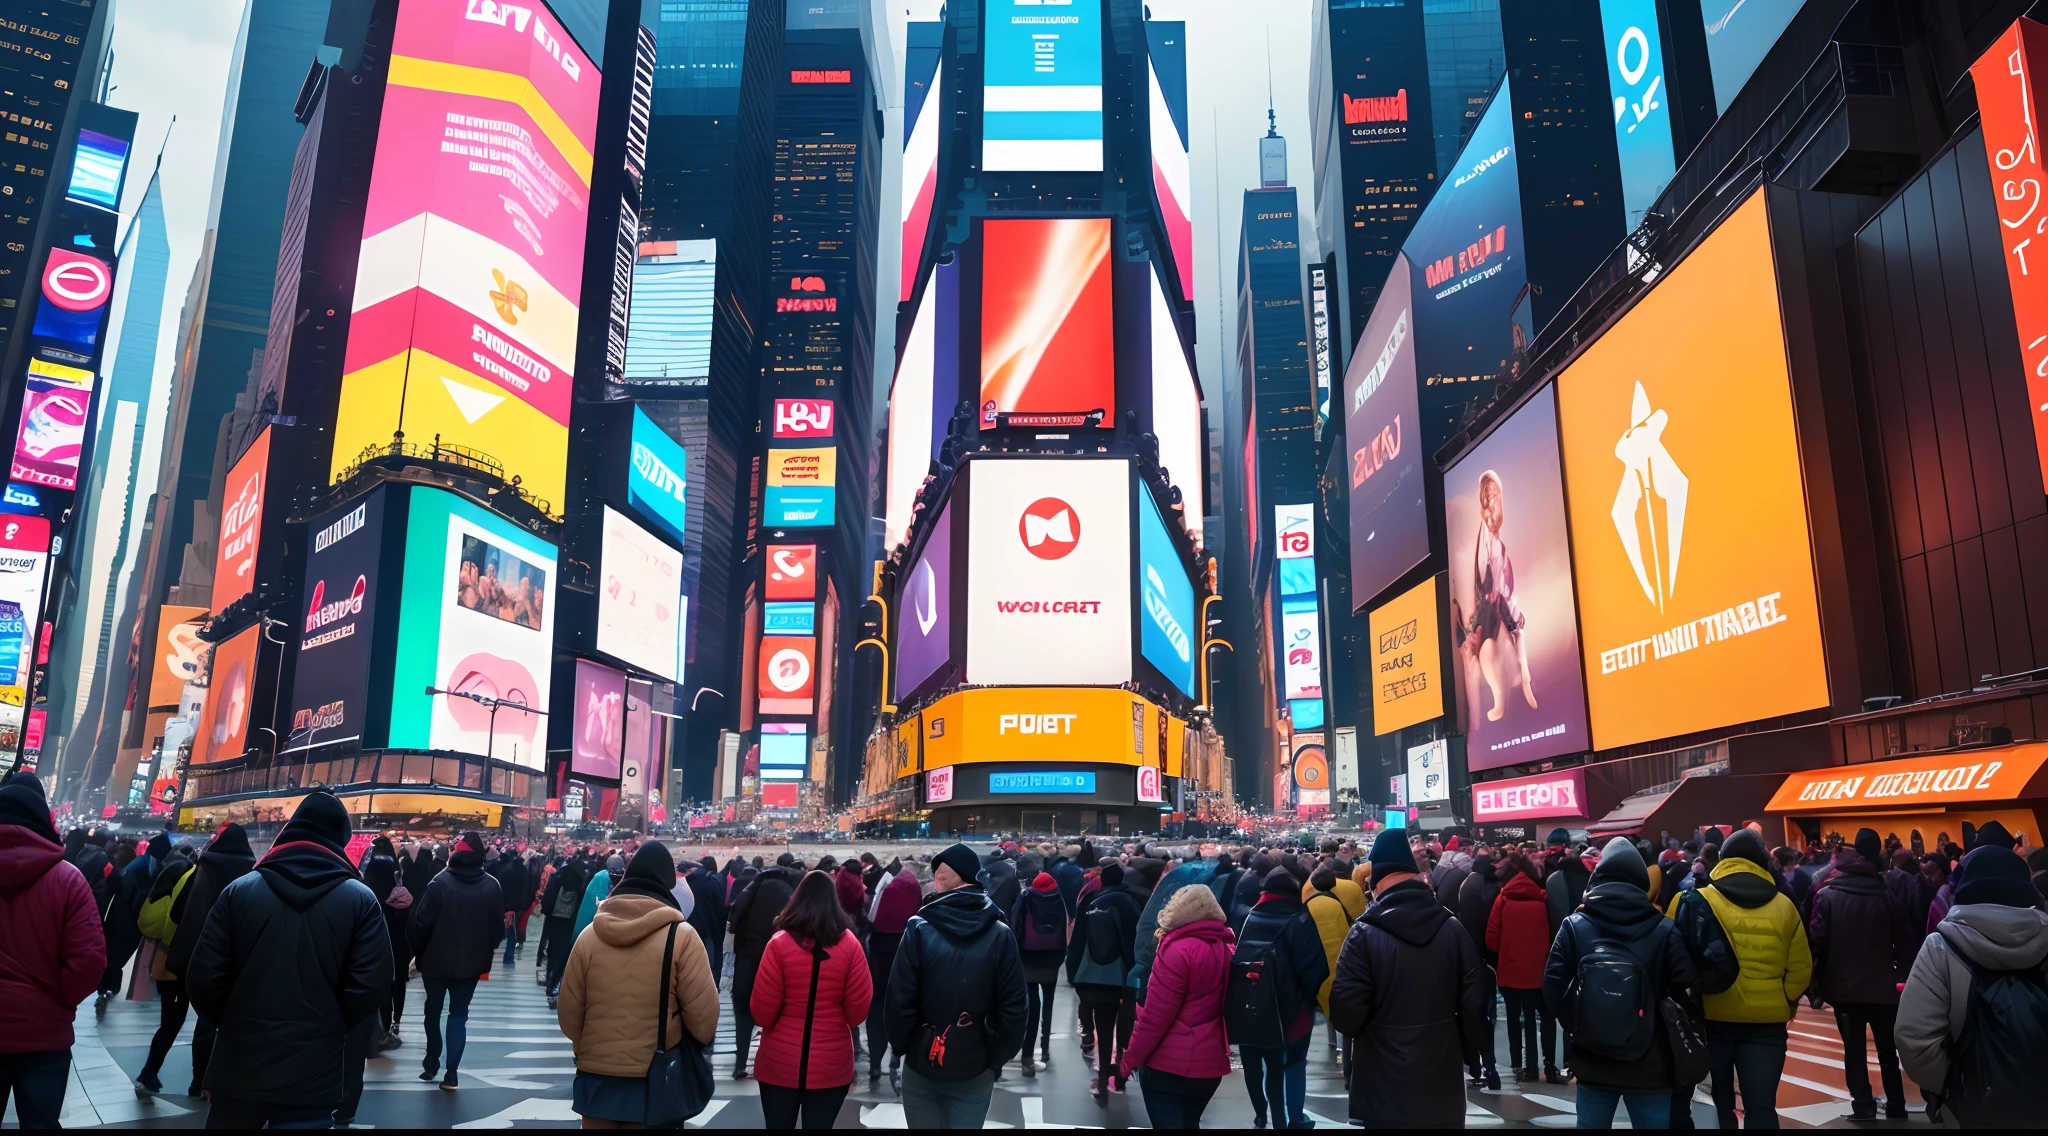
[491,704]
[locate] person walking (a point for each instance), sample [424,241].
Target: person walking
[1101,952]
[753,924]
[600,885]
[611,1008]
[1476,896]
[1179,1045]
[1615,960]
[381,873]
[454,931]
[510,873]
[1039,921]
[559,905]
[123,918]
[708,912]
[999,880]
[52,954]
[159,925]
[811,990]
[1188,873]
[1748,944]
[1408,990]
[1565,879]
[1280,932]
[1332,924]
[226,858]
[1861,935]
[956,998]
[1516,932]
[897,898]
[292,959]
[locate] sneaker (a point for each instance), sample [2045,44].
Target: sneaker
[1030,1070]
[896,1080]
[449,1082]
[430,1072]
[1554,1077]
[1493,1080]
[148,1084]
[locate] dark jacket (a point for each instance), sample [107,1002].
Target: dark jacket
[455,928]
[1565,888]
[754,912]
[958,958]
[293,956]
[131,891]
[1869,931]
[219,865]
[1620,914]
[1067,874]
[1245,897]
[1283,921]
[514,890]
[1475,905]
[1193,874]
[1409,989]
[1113,904]
[1039,904]
[564,894]
[1448,878]
[999,881]
[707,917]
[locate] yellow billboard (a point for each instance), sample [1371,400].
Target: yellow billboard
[814,466]
[1102,725]
[1407,679]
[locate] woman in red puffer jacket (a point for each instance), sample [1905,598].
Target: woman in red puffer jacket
[811,990]
[1179,1046]
[1518,930]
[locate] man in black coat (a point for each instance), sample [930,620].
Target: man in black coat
[1565,887]
[753,924]
[292,957]
[227,858]
[513,893]
[558,907]
[999,882]
[708,914]
[454,930]
[1409,991]
[1863,948]
[1473,905]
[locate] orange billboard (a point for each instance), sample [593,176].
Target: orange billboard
[1407,660]
[224,723]
[241,523]
[1697,604]
[180,654]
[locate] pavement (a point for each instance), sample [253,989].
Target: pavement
[517,1070]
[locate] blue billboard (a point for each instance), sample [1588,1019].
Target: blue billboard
[789,617]
[800,506]
[1168,623]
[1044,781]
[1642,114]
[656,480]
[1042,99]
[1739,34]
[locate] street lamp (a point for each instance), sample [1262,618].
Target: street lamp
[491,704]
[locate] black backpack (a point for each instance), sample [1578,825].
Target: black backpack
[1994,1066]
[1611,1005]
[1045,924]
[1251,1003]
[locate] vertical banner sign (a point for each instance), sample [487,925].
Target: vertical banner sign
[2007,106]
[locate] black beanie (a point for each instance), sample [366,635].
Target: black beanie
[1990,874]
[1745,844]
[1621,863]
[233,840]
[785,860]
[1558,837]
[1112,874]
[1390,854]
[22,803]
[962,860]
[1869,846]
[321,820]
[652,873]
[1280,881]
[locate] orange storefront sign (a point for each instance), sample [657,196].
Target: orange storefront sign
[1101,725]
[2007,77]
[1997,775]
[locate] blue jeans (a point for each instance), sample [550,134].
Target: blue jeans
[458,991]
[511,941]
[37,1082]
[1278,1076]
[1645,1110]
[946,1104]
[1752,1053]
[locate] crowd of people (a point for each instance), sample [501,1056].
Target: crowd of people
[1634,970]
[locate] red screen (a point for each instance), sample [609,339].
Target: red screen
[1047,325]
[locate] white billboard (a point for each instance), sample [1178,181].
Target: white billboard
[1302,641]
[910,418]
[1176,412]
[640,599]
[1294,533]
[1429,772]
[1048,572]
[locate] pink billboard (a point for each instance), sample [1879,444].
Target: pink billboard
[56,402]
[600,725]
[1546,796]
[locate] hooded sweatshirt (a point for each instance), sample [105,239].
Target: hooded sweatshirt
[227,858]
[957,958]
[611,987]
[1936,1000]
[51,948]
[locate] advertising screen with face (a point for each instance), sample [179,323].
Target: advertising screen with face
[24,558]
[924,623]
[241,523]
[1387,503]
[600,720]
[1167,631]
[477,621]
[1042,105]
[1697,603]
[1514,624]
[56,405]
[471,269]
[1048,573]
[640,599]
[1407,683]
[1048,327]
[331,684]
[1177,412]
[224,723]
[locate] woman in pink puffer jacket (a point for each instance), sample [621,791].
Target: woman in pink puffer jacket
[1179,1045]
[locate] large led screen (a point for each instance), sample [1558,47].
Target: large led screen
[2006,109]
[789,674]
[56,407]
[1167,634]
[1739,34]
[471,269]
[656,477]
[668,335]
[800,491]
[1407,676]
[920,167]
[1048,572]
[924,621]
[76,288]
[1048,328]
[1172,181]
[24,559]
[331,685]
[1042,103]
[910,421]
[1177,412]
[231,679]
[600,727]
[1387,505]
[1514,624]
[1642,112]
[1697,603]
[640,599]
[477,621]
[180,653]
[241,523]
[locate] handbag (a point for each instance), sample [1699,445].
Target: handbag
[1689,1060]
[679,1081]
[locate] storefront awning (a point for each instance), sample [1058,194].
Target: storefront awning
[1999,774]
[1681,806]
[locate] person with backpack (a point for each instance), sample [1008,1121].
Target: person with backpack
[1861,935]
[558,906]
[1180,1046]
[1748,944]
[1409,991]
[1615,964]
[1187,873]
[1333,923]
[753,924]
[811,991]
[1973,1019]
[1516,934]
[956,998]
[226,858]
[1476,895]
[1276,970]
[897,898]
[159,924]
[52,954]
[1099,961]
[1040,923]
[380,868]
[454,931]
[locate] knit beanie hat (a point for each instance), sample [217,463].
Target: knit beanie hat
[1280,881]
[1558,837]
[1745,844]
[1991,874]
[1869,846]
[23,803]
[1045,883]
[962,860]
[321,820]
[1390,854]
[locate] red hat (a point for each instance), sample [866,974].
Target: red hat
[1451,845]
[1045,883]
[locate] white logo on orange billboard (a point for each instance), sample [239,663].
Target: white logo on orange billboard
[1648,471]
[186,651]
[509,297]
[1049,528]
[789,670]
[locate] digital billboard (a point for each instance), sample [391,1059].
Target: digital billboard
[924,619]
[910,418]
[1168,637]
[785,751]
[1042,99]
[224,723]
[800,490]
[668,337]
[1294,531]
[96,167]
[1690,545]
[657,482]
[792,572]
[56,407]
[1172,181]
[1177,412]
[1048,326]
[788,675]
[1387,501]
[640,599]
[331,683]
[477,623]
[180,653]
[803,418]
[470,275]
[2006,107]
[1407,686]
[1739,34]
[1049,569]
[76,288]
[1065,781]
[1301,645]
[24,560]
[920,166]
[1514,622]
[784,617]
[1642,112]
[600,726]
[241,523]
[1102,725]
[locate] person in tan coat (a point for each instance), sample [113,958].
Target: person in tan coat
[611,989]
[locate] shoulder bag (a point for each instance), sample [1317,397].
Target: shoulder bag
[679,1081]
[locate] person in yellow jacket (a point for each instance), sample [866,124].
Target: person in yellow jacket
[158,922]
[1333,922]
[1347,891]
[1749,944]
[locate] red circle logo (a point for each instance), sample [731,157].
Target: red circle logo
[1049,528]
[77,283]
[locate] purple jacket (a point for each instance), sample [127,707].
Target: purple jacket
[1861,934]
[1180,1023]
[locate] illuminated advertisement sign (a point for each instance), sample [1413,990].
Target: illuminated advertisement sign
[1042,103]
[803,418]
[1066,781]
[1370,118]
[1739,34]
[224,723]
[2009,112]
[24,559]
[1690,546]
[1294,532]
[1048,333]
[241,523]
[1049,569]
[1642,116]
[657,477]
[1297,576]
[788,674]
[1514,623]
[785,751]
[56,405]
[792,572]
[668,338]
[910,416]
[813,76]
[1151,788]
[1305,713]
[470,275]
[1407,685]
[600,727]
[938,785]
[1102,726]
[1429,772]
[1387,503]
[924,619]
[180,653]
[1541,797]
[787,618]
[1311,765]
[331,683]
[1319,341]
[1301,645]
[640,599]
[76,288]
[96,167]
[1177,412]
[800,487]
[1172,182]
[1167,633]
[477,623]
[807,294]
[920,165]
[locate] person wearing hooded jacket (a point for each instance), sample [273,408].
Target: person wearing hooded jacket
[226,858]
[1102,983]
[708,912]
[1000,881]
[558,907]
[897,898]
[1179,1046]
[600,885]
[1861,935]
[292,958]
[1039,922]
[1408,989]
[1564,886]
[381,873]
[1515,934]
[1448,877]
[123,916]
[514,893]
[1333,923]
[52,954]
[753,924]
[1277,1078]
[455,930]
[1188,874]
[159,924]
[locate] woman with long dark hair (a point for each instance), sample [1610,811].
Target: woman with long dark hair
[811,989]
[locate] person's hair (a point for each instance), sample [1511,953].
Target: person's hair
[1784,857]
[827,863]
[1329,848]
[813,911]
[1710,855]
